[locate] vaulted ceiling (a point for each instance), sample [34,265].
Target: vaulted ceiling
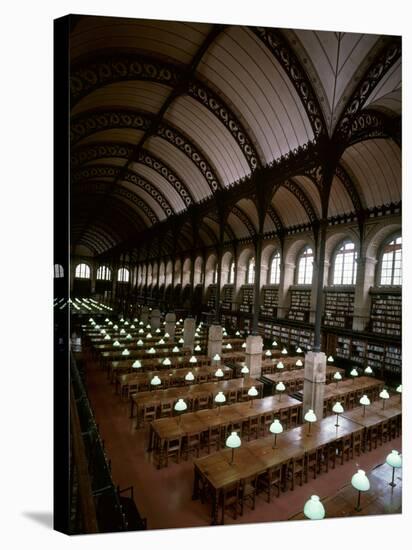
[167,116]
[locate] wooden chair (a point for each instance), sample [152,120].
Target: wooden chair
[173,448]
[284,417]
[149,413]
[311,464]
[345,448]
[269,480]
[294,414]
[230,499]
[231,397]
[323,459]
[372,437]
[251,427]
[243,395]
[248,488]
[295,469]
[266,421]
[202,401]
[213,438]
[166,409]
[357,443]
[192,444]
[383,433]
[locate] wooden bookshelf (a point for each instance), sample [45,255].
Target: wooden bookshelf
[339,308]
[386,313]
[227,297]
[246,303]
[299,304]
[268,308]
[211,300]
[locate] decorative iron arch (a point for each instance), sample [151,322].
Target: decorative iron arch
[281,50]
[125,67]
[384,61]
[371,124]
[105,171]
[271,212]
[302,198]
[95,121]
[244,218]
[357,200]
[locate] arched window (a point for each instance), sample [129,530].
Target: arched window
[274,275]
[214,279]
[231,274]
[250,275]
[104,273]
[82,271]
[344,268]
[305,267]
[58,271]
[123,275]
[391,270]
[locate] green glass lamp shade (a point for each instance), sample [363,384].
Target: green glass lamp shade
[252,392]
[337,408]
[189,377]
[394,459]
[180,405]
[220,397]
[360,482]
[276,427]
[233,441]
[314,509]
[310,416]
[364,400]
[137,364]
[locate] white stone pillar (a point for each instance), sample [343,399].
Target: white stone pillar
[314,382]
[365,278]
[155,318]
[170,326]
[214,344]
[254,347]
[144,316]
[189,327]
[287,271]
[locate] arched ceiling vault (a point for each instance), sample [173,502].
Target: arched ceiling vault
[175,121]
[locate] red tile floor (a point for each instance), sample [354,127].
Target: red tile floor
[164,496]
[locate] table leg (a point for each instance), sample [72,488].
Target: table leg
[215,507]
[195,494]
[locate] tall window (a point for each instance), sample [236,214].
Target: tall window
[391,272]
[305,267]
[82,271]
[344,269]
[231,274]
[123,275]
[274,275]
[58,271]
[104,273]
[214,279]
[250,275]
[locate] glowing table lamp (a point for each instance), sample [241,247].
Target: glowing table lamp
[157,331]
[132,327]
[268,353]
[141,323]
[284,351]
[216,358]
[310,417]
[102,331]
[116,343]
[180,407]
[219,373]
[337,377]
[280,365]
[149,326]
[384,395]
[129,337]
[167,335]
[137,364]
[161,342]
[140,343]
[126,323]
[220,399]
[115,327]
[233,442]
[141,331]
[228,345]
[275,428]
[125,352]
[252,392]
[274,344]
[399,390]
[361,483]
[193,359]
[181,341]
[280,387]
[151,350]
[368,371]
[354,374]
[122,331]
[155,381]
[167,362]
[148,335]
[394,460]
[364,401]
[237,333]
[299,350]
[244,370]
[107,337]
[244,345]
[337,409]
[198,348]
[189,377]
[175,349]
[314,509]
[299,363]
[331,359]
